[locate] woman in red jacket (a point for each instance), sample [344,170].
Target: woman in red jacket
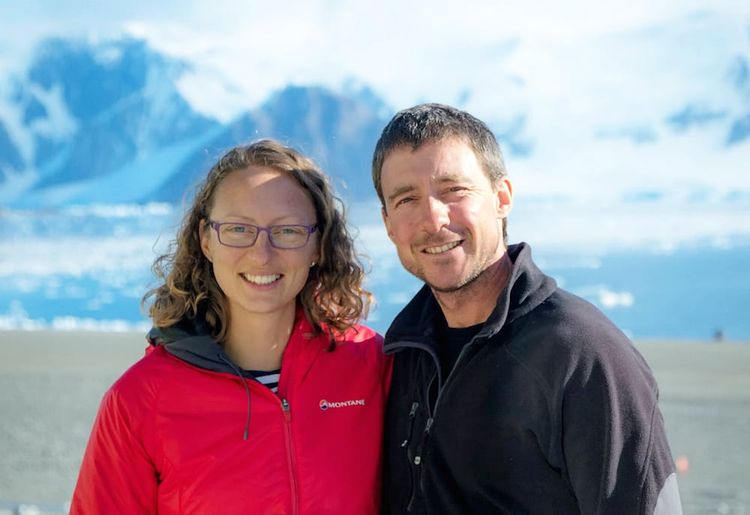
[259,392]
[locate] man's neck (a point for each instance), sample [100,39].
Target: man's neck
[473,304]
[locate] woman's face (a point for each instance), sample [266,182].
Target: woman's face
[260,279]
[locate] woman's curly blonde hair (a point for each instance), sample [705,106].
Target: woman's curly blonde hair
[332,298]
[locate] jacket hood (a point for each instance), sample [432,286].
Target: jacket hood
[527,288]
[185,328]
[191,341]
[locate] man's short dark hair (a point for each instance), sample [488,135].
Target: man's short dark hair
[433,122]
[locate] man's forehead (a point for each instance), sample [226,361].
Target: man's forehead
[444,158]
[447,140]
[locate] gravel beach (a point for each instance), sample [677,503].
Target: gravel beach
[51,384]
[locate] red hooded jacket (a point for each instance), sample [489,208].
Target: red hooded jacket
[185,431]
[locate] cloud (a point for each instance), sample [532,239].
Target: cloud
[582,93]
[494,56]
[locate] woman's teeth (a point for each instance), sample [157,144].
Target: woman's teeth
[261,279]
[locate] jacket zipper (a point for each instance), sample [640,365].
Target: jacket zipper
[410,456]
[290,456]
[416,461]
[441,387]
[412,416]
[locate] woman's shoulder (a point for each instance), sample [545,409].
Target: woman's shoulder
[361,341]
[361,336]
[364,346]
[142,378]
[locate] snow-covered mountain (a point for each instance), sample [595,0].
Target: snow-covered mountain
[338,131]
[109,122]
[105,123]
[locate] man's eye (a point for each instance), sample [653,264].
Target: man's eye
[403,201]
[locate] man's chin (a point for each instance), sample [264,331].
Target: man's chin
[449,286]
[441,283]
[436,284]
[454,286]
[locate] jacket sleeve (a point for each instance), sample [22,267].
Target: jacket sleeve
[117,474]
[616,452]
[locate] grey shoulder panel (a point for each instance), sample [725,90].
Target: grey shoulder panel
[669,502]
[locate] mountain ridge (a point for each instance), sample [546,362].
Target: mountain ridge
[101,114]
[106,122]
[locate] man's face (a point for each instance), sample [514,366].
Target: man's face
[442,212]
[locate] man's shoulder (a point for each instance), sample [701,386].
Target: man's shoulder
[568,318]
[569,332]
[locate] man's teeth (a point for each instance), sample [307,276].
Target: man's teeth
[261,279]
[442,248]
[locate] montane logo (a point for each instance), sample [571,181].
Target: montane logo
[325,405]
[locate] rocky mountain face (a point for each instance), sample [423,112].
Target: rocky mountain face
[106,123]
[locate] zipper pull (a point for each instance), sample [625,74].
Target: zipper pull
[428,425]
[412,414]
[285,405]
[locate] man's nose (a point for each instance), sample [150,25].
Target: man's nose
[434,215]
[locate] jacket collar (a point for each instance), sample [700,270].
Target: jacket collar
[190,340]
[527,288]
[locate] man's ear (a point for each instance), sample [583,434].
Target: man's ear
[504,197]
[204,233]
[386,222]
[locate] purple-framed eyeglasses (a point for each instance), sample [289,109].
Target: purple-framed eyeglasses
[286,236]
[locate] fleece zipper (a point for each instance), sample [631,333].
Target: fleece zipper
[416,459]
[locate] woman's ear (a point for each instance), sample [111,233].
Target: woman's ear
[317,257]
[204,233]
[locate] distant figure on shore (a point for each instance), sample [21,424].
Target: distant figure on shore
[719,335]
[260,392]
[509,394]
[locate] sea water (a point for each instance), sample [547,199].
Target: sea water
[89,267]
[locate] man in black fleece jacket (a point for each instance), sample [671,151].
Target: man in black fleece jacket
[509,394]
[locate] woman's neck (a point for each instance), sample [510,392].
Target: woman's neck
[257,342]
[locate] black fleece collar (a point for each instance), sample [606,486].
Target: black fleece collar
[527,288]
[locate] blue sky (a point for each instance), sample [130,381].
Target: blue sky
[591,88]
[410,50]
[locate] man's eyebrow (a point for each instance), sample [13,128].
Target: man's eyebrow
[400,191]
[451,177]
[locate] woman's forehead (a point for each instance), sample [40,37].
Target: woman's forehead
[261,192]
